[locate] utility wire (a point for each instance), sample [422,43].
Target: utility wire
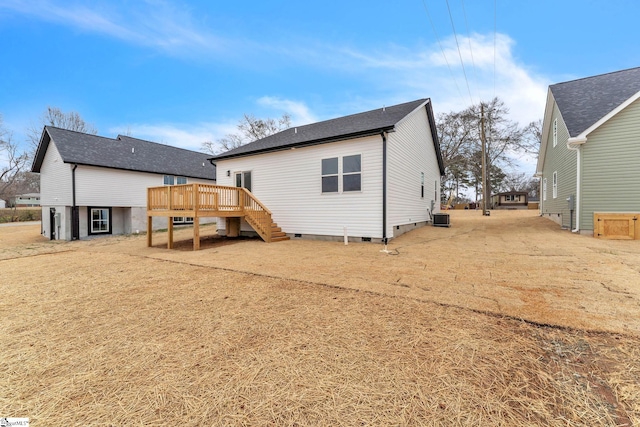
[459,53]
[473,61]
[495,31]
[441,48]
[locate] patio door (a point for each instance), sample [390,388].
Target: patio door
[243,179]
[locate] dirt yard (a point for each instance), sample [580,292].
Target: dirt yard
[500,320]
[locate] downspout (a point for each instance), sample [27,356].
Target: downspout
[575,144]
[384,187]
[74,214]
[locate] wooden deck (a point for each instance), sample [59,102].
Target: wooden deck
[205,200]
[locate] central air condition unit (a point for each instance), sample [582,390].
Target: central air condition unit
[441,220]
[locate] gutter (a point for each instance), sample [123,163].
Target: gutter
[574,144]
[327,140]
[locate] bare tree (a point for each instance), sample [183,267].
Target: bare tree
[53,116]
[12,163]
[249,129]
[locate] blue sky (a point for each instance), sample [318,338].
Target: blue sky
[184,72]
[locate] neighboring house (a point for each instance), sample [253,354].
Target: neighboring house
[510,200]
[373,175]
[3,204]
[27,200]
[92,185]
[590,150]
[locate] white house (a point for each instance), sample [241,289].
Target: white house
[92,185]
[3,204]
[373,175]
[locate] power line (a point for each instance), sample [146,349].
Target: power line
[473,61]
[459,53]
[495,31]
[441,48]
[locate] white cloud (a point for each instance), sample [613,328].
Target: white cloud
[413,72]
[156,24]
[188,136]
[300,114]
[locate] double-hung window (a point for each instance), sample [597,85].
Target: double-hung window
[330,175]
[555,184]
[544,189]
[555,132]
[349,175]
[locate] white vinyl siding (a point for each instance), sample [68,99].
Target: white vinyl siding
[55,179]
[96,186]
[289,184]
[611,167]
[410,154]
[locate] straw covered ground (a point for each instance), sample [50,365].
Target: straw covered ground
[504,320]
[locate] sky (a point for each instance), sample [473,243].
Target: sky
[184,72]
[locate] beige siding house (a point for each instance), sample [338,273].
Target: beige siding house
[373,175]
[92,185]
[590,153]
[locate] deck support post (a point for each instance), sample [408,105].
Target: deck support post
[149,231]
[196,234]
[170,232]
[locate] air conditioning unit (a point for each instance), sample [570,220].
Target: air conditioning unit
[441,220]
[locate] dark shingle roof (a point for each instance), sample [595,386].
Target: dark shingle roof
[361,124]
[585,101]
[124,153]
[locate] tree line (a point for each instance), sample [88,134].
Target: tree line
[459,133]
[16,159]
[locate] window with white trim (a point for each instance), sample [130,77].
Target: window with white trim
[555,184]
[99,220]
[555,132]
[352,173]
[422,185]
[169,179]
[544,189]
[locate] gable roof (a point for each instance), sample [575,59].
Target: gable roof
[124,153]
[584,102]
[342,128]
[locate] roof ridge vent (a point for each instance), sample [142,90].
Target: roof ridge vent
[384,108]
[133,150]
[295,130]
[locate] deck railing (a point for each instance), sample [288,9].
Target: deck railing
[207,200]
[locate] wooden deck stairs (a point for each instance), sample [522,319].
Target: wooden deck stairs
[277,235]
[204,200]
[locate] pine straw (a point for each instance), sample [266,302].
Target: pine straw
[102,338]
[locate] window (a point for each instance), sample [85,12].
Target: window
[174,180]
[243,179]
[168,180]
[99,220]
[351,173]
[330,175]
[512,198]
[555,184]
[544,189]
[422,185]
[181,180]
[555,132]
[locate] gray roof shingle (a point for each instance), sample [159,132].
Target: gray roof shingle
[125,153]
[585,101]
[341,128]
